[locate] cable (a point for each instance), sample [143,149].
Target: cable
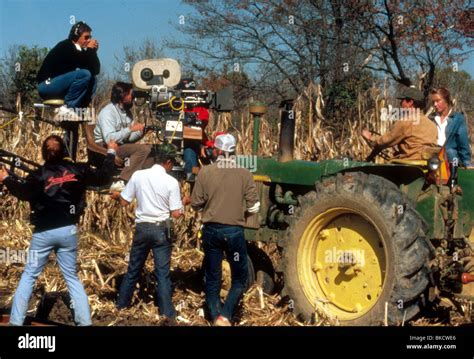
[14,119]
[181,115]
[6,124]
[180,109]
[176,109]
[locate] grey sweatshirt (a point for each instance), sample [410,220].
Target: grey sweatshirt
[114,124]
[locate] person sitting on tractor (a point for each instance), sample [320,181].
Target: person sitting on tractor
[452,129]
[412,133]
[115,122]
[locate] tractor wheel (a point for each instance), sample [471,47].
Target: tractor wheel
[356,253]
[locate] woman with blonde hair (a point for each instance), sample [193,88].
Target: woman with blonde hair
[452,129]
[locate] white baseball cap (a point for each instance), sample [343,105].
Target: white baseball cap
[225,143]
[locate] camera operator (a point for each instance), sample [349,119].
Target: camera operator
[115,122]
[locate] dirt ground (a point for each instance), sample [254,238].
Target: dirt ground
[101,266]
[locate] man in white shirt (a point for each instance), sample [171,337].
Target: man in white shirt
[158,196]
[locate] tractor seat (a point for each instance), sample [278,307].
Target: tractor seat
[401,161]
[427,153]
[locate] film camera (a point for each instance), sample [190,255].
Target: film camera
[175,102]
[158,82]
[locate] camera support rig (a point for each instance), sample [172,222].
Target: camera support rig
[158,83]
[16,162]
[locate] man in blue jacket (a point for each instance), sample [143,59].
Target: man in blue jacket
[457,141]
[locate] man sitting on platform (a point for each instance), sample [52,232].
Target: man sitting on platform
[115,122]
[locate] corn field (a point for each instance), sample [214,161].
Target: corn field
[106,228]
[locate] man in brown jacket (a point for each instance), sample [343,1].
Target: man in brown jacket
[412,132]
[226,194]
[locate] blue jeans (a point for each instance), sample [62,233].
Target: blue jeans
[190,157]
[75,87]
[63,241]
[218,239]
[148,237]
[453,155]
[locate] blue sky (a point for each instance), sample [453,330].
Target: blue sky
[115,23]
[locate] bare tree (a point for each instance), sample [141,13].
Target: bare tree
[409,37]
[294,42]
[131,54]
[290,42]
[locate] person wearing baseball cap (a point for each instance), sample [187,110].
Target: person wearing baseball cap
[226,194]
[158,198]
[412,132]
[411,93]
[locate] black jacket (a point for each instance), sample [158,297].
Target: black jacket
[64,58]
[56,191]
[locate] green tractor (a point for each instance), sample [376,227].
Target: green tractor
[363,243]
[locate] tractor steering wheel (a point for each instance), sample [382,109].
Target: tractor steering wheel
[375,151]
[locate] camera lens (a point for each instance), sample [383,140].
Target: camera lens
[146,74]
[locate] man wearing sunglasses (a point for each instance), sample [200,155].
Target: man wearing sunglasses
[68,72]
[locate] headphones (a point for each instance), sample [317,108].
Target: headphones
[77,30]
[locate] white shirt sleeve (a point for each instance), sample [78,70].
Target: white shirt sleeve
[254,208]
[175,197]
[129,193]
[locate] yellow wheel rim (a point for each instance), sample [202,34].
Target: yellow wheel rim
[341,263]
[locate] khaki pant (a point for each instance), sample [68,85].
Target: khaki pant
[136,157]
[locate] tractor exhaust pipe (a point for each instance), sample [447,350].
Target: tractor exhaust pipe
[256,109]
[287,131]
